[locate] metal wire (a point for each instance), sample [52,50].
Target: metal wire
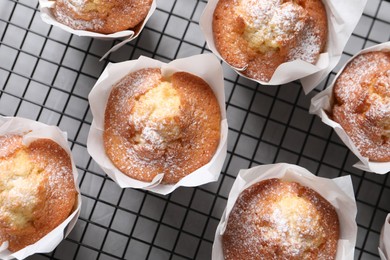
[46,75]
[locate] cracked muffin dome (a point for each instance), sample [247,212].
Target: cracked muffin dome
[156,125]
[362,104]
[276,219]
[37,189]
[257,36]
[101,16]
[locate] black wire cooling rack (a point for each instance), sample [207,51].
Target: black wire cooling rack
[46,74]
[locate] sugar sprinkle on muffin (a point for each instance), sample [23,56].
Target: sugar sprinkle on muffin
[156,125]
[275,219]
[362,104]
[101,16]
[37,189]
[258,36]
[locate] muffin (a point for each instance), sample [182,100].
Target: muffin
[275,219]
[362,104]
[257,36]
[384,240]
[155,125]
[103,16]
[37,189]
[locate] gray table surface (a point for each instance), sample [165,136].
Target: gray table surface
[46,75]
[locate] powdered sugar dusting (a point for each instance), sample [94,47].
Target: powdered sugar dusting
[363,104]
[271,221]
[76,5]
[270,23]
[37,189]
[308,48]
[259,12]
[19,185]
[274,24]
[101,16]
[153,127]
[77,23]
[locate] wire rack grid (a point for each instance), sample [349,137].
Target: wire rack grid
[46,74]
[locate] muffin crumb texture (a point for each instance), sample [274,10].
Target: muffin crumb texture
[37,190]
[274,219]
[101,16]
[159,125]
[362,104]
[260,35]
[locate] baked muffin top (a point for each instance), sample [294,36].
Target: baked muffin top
[101,16]
[37,189]
[275,219]
[362,104]
[156,125]
[258,36]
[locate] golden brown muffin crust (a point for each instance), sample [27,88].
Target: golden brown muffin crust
[274,219]
[102,16]
[258,36]
[362,104]
[154,125]
[37,190]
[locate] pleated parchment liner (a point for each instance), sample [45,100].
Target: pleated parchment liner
[205,66]
[322,103]
[338,191]
[343,16]
[384,240]
[126,36]
[32,131]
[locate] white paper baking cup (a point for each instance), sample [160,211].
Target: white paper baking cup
[205,66]
[343,16]
[322,103]
[339,193]
[384,240]
[45,7]
[32,131]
